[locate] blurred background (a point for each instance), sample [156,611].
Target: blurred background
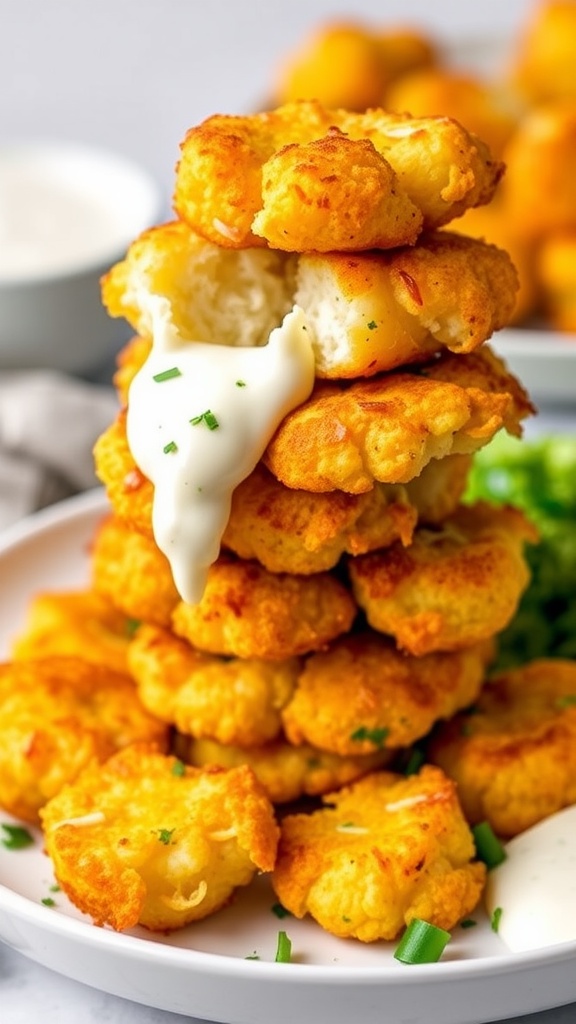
[133,75]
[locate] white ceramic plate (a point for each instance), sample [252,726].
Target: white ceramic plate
[545,362]
[202,971]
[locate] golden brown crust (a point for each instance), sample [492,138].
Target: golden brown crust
[556,270]
[292,178]
[57,714]
[287,772]
[542,66]
[132,573]
[363,695]
[383,851]
[514,758]
[390,427]
[77,623]
[455,585]
[250,613]
[230,700]
[294,531]
[157,846]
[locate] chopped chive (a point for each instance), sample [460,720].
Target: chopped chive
[422,943]
[495,919]
[488,847]
[208,418]
[170,447]
[371,325]
[240,383]
[280,911]
[55,887]
[165,835]
[468,922]
[178,768]
[167,374]
[17,838]
[414,762]
[376,736]
[566,701]
[284,949]
[48,902]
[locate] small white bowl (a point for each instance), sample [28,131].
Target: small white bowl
[67,213]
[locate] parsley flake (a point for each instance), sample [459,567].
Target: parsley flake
[372,325]
[165,835]
[178,768]
[48,902]
[376,736]
[495,919]
[280,911]
[208,418]
[240,383]
[17,838]
[468,922]
[167,374]
[170,447]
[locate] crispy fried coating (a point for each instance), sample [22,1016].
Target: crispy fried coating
[78,623]
[556,272]
[230,700]
[144,840]
[287,772]
[455,585]
[56,715]
[365,312]
[495,223]
[383,851]
[389,428]
[130,493]
[514,758]
[542,67]
[478,105]
[541,169]
[363,695]
[218,295]
[298,532]
[304,178]
[131,357]
[376,311]
[250,613]
[346,64]
[132,573]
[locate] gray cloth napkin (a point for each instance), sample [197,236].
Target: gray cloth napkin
[48,425]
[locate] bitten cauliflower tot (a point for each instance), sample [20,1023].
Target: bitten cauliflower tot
[381,852]
[145,840]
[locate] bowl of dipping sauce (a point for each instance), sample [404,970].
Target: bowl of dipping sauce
[67,213]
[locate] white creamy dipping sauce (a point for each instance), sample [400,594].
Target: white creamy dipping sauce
[200,427]
[535,887]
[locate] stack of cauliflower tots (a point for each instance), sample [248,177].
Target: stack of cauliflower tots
[356,601]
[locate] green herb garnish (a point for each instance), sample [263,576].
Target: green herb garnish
[48,902]
[170,447]
[495,919]
[167,374]
[422,943]
[240,383]
[165,835]
[376,736]
[208,418]
[178,768]
[280,911]
[468,922]
[284,949]
[415,761]
[488,847]
[568,700]
[252,956]
[16,838]
[371,325]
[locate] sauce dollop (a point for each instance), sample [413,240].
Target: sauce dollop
[535,887]
[200,417]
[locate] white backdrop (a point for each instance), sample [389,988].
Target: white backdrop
[133,75]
